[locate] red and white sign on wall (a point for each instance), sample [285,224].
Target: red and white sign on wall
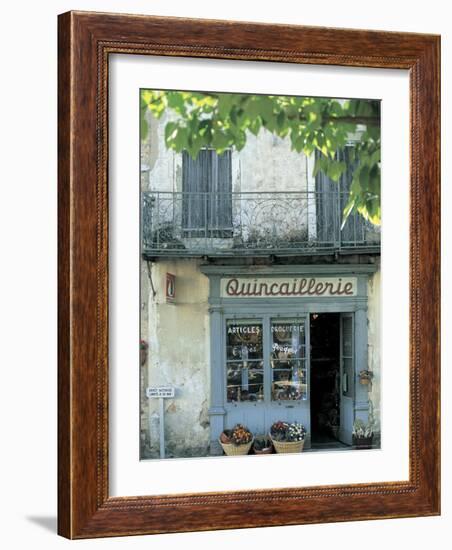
[170,287]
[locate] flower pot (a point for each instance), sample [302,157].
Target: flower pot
[262,445]
[265,451]
[230,449]
[288,446]
[362,442]
[364,381]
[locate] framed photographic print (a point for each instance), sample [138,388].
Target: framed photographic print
[248,275]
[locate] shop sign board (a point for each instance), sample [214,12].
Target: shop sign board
[288,287]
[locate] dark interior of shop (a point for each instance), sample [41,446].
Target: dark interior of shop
[325,378]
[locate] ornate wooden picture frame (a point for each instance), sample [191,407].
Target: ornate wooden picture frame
[86,40]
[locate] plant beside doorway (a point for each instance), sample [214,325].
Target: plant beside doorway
[362,434]
[237,441]
[365,377]
[288,437]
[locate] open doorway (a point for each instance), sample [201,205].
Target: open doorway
[325,379]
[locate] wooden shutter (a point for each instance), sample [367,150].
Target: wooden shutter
[326,208]
[207,198]
[220,219]
[354,229]
[331,199]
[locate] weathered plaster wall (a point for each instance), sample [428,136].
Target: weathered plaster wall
[179,355]
[144,327]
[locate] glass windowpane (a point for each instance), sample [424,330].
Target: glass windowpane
[287,360]
[244,361]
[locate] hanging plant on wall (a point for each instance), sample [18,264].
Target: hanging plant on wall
[365,377]
[143,352]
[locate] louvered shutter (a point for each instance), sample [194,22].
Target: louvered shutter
[330,209]
[207,198]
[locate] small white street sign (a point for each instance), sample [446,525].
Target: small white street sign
[160,392]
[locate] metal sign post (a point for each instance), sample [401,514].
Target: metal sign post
[161,393]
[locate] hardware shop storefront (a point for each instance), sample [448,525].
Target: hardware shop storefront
[261,344]
[263,359]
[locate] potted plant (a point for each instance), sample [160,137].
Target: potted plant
[288,437]
[262,445]
[362,434]
[237,441]
[333,422]
[365,377]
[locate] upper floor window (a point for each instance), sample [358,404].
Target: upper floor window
[207,194]
[331,199]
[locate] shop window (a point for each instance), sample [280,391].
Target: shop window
[206,194]
[266,360]
[288,360]
[244,361]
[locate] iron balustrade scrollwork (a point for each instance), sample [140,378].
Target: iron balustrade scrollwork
[247,223]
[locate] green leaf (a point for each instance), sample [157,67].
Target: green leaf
[349,207]
[281,119]
[335,169]
[170,129]
[318,165]
[224,105]
[180,140]
[255,125]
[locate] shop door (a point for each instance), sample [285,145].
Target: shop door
[347,346]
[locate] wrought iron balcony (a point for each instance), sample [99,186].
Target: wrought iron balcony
[252,223]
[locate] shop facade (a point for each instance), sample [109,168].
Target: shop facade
[260,341]
[274,309]
[253,344]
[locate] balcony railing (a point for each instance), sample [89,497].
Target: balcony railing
[252,223]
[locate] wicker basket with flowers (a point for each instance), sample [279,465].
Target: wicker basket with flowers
[288,437]
[237,441]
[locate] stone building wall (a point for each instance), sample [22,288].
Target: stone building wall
[374,344]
